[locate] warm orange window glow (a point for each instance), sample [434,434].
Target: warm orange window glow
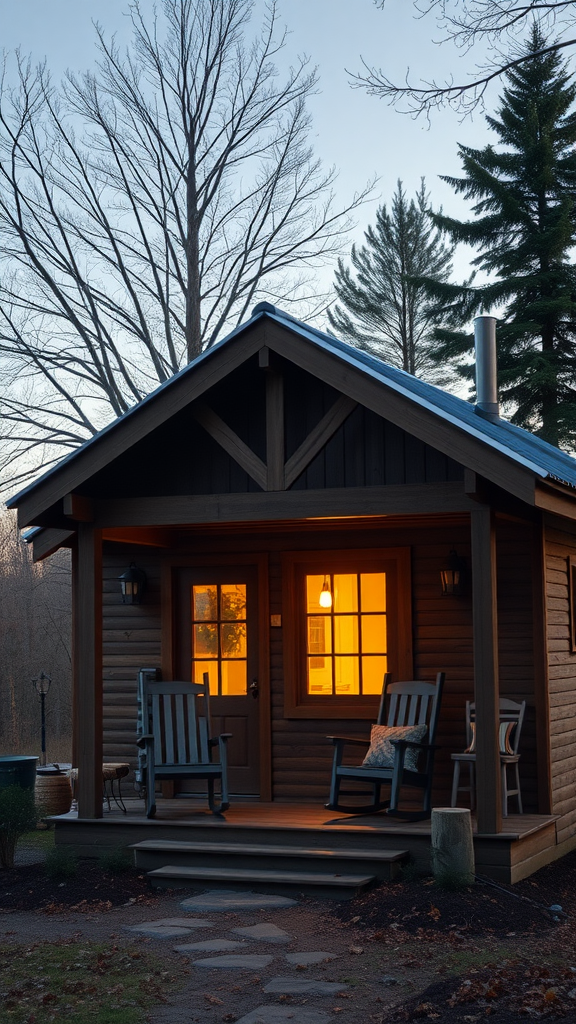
[219,637]
[346,643]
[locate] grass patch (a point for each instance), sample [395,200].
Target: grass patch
[82,983]
[39,839]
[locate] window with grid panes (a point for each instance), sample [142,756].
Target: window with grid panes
[347,644]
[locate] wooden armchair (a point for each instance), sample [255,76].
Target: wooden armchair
[176,739]
[402,704]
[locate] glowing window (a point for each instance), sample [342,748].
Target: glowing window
[347,637]
[219,637]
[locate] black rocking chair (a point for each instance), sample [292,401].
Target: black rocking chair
[402,704]
[177,741]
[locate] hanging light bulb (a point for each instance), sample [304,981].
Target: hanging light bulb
[325,600]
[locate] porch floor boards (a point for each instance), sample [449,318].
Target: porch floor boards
[254,814]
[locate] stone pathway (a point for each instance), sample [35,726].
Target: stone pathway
[230,955]
[224,900]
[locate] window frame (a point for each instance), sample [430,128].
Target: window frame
[296,565]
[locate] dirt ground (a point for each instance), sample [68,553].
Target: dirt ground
[405,951]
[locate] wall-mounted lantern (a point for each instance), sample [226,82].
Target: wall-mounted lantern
[453,575]
[133,584]
[325,599]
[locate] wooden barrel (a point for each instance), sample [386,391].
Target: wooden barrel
[53,794]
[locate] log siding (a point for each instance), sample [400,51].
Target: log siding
[559,546]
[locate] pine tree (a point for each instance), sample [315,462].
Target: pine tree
[383,310]
[525,229]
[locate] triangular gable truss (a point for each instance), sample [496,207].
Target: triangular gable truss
[264,335]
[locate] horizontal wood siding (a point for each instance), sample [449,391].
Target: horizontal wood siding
[131,641]
[559,545]
[302,756]
[442,631]
[516,643]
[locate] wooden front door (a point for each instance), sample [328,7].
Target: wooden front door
[217,611]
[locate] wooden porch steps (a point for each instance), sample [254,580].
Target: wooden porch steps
[277,882]
[335,872]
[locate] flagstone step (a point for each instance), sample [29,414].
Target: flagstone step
[383,864]
[333,886]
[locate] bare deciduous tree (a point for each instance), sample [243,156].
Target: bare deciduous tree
[143,206]
[35,637]
[465,23]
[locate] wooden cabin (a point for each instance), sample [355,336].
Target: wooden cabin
[278,460]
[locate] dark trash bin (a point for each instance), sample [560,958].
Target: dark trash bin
[18,770]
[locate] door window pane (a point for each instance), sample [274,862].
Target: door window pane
[211,667]
[233,640]
[233,600]
[205,603]
[206,640]
[234,678]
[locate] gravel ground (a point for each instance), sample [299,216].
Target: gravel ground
[405,951]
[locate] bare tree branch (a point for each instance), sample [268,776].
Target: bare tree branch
[143,207]
[465,23]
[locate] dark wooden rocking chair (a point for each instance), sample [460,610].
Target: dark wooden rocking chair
[177,742]
[402,704]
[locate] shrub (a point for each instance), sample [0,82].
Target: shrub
[61,863]
[116,861]
[18,814]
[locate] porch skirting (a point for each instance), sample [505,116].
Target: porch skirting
[528,842]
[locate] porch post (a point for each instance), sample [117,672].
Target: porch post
[486,682]
[87,669]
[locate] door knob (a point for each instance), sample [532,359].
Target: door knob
[254,688]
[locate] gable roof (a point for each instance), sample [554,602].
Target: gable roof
[520,446]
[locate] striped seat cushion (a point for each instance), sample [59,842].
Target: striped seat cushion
[504,738]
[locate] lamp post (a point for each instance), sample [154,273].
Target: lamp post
[42,685]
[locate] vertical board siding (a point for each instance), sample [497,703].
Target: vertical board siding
[561,679]
[180,457]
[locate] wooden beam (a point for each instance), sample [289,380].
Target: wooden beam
[552,499]
[181,510]
[417,419]
[87,662]
[79,507]
[188,386]
[231,443]
[275,450]
[486,680]
[318,438]
[48,541]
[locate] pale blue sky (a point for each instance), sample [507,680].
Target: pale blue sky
[358,133]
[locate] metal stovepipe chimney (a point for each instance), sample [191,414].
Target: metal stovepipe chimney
[486,368]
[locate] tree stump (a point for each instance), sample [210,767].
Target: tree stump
[452,846]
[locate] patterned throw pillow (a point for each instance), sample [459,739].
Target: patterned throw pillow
[382,750]
[504,736]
